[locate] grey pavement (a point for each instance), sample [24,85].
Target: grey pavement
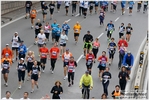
[47,80]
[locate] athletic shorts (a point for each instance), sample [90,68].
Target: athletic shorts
[63,45]
[34,77]
[65,63]
[91,7]
[58,6]
[53,35]
[101,67]
[76,34]
[33,17]
[43,60]
[29,66]
[36,33]
[40,45]
[128,33]
[4,71]
[51,11]
[15,48]
[130,8]
[89,66]
[84,9]
[47,35]
[87,46]
[66,6]
[28,10]
[121,34]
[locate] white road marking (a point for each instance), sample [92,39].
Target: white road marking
[68,20]
[127,7]
[77,15]
[124,11]
[83,54]
[16,20]
[117,19]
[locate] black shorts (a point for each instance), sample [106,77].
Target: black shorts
[29,66]
[43,60]
[36,33]
[121,34]
[40,45]
[51,11]
[15,48]
[53,35]
[21,56]
[130,8]
[87,46]
[101,67]
[76,34]
[28,10]
[91,7]
[109,34]
[65,64]
[111,54]
[44,13]
[58,6]
[89,66]
[57,38]
[4,71]
[128,33]
[47,35]
[66,6]
[34,77]
[96,5]
[85,9]
[63,45]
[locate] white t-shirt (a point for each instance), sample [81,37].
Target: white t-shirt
[14,42]
[67,3]
[24,99]
[41,38]
[6,98]
[86,4]
[81,3]
[63,39]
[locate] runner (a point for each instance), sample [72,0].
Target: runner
[114,6]
[121,30]
[63,41]
[25,96]
[28,5]
[38,27]
[8,94]
[91,4]
[128,62]
[96,6]
[104,5]
[129,30]
[81,9]
[102,16]
[110,28]
[105,80]
[122,51]
[131,3]
[51,5]
[86,81]
[71,70]
[15,44]
[104,96]
[58,34]
[89,61]
[41,40]
[47,29]
[7,50]
[33,15]
[123,4]
[145,6]
[102,63]
[112,49]
[65,27]
[22,50]
[54,54]
[111,5]
[54,26]
[74,6]
[30,58]
[35,75]
[116,94]
[44,52]
[6,64]
[21,72]
[139,6]
[88,38]
[65,58]
[95,49]
[42,4]
[85,7]
[122,40]
[44,11]
[58,6]
[57,90]
[76,28]
[123,77]
[67,4]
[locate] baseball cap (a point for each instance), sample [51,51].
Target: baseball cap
[21,41]
[86,72]
[6,54]
[22,59]
[111,21]
[67,49]
[16,32]
[7,44]
[129,52]
[88,31]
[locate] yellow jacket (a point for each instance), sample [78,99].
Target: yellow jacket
[86,80]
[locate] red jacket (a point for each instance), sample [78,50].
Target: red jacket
[122,41]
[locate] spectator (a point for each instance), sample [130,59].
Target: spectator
[25,96]
[8,93]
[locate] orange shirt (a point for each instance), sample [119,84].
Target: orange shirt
[33,13]
[44,52]
[54,52]
[9,51]
[102,58]
[8,59]
[66,57]
[77,28]
[89,56]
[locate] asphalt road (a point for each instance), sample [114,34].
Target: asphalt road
[47,80]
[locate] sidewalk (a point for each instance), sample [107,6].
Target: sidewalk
[16,14]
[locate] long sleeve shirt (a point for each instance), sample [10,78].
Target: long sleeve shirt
[58,89]
[22,49]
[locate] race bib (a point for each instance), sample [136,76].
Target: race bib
[15,43]
[76,30]
[28,5]
[37,27]
[21,49]
[35,71]
[54,53]
[20,67]
[43,55]
[52,7]
[5,66]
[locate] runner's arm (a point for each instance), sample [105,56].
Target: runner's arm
[81,80]
[91,81]
[132,60]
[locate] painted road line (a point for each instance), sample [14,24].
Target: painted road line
[77,15]
[117,19]
[68,20]
[100,35]
[127,7]
[16,20]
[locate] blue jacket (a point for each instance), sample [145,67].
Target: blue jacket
[65,27]
[128,58]
[54,26]
[131,3]
[58,31]
[23,48]
[104,3]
